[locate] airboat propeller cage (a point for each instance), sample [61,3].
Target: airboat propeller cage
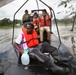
[33,11]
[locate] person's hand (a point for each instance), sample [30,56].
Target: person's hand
[50,8]
[35,27]
[22,51]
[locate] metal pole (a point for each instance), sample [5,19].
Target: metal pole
[73,23]
[14,25]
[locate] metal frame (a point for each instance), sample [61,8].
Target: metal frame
[38,9]
[73,23]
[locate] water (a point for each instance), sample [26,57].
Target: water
[6,37]
[66,36]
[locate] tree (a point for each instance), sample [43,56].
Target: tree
[69,7]
[5,22]
[17,21]
[72,8]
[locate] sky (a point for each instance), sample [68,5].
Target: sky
[9,10]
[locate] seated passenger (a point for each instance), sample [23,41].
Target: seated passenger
[25,17]
[29,40]
[35,22]
[44,24]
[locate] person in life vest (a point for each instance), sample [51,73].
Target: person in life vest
[29,40]
[44,24]
[25,17]
[35,22]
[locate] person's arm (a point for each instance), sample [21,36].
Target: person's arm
[50,12]
[17,42]
[22,19]
[17,47]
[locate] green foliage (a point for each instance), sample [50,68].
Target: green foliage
[5,22]
[64,3]
[17,21]
[8,22]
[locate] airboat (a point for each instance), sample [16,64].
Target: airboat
[9,59]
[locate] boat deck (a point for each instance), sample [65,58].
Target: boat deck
[9,65]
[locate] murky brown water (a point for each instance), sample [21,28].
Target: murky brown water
[65,33]
[66,37]
[6,37]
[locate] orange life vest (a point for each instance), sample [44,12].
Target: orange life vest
[45,22]
[35,21]
[32,38]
